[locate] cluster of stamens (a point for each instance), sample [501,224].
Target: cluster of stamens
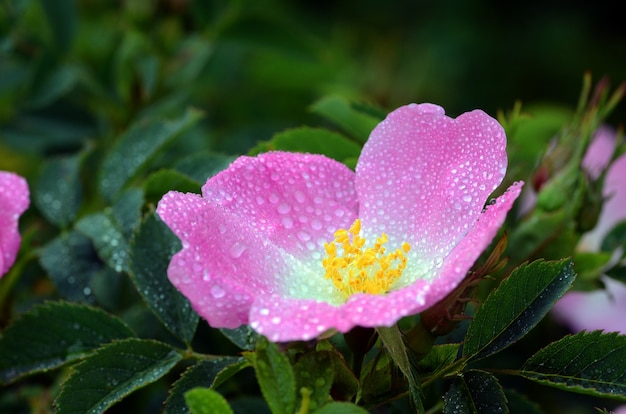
[359,269]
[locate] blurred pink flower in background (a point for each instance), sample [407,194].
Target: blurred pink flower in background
[601,309]
[298,244]
[14,200]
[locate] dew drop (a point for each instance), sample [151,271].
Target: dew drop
[284,208]
[237,249]
[287,222]
[299,196]
[217,292]
[276,320]
[304,236]
[467,198]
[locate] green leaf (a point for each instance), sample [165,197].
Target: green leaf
[112,372]
[137,147]
[520,404]
[108,239]
[439,357]
[61,15]
[345,384]
[207,401]
[57,191]
[72,263]
[589,266]
[516,306]
[275,376]
[244,336]
[615,238]
[358,124]
[311,140]
[210,373]
[587,363]
[203,165]
[341,408]
[163,181]
[150,254]
[475,392]
[53,334]
[314,371]
[392,339]
[127,210]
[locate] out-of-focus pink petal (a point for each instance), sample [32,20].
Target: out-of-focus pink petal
[297,201]
[600,309]
[14,200]
[424,178]
[599,152]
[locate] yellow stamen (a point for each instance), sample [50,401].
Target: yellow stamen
[362,270]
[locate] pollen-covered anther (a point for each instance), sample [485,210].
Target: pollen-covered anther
[354,268]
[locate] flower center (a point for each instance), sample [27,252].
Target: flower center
[362,270]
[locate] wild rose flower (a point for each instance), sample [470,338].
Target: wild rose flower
[605,308]
[298,244]
[14,200]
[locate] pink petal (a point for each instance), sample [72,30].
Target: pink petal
[14,200]
[256,231]
[600,309]
[297,201]
[599,152]
[424,178]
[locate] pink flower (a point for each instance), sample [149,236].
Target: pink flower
[298,244]
[600,309]
[14,200]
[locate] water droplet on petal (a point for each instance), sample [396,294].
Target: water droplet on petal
[237,249]
[299,196]
[284,208]
[217,292]
[467,198]
[304,236]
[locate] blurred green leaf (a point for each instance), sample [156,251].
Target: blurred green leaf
[589,266]
[57,190]
[208,373]
[127,210]
[162,181]
[203,165]
[615,238]
[588,363]
[108,239]
[62,18]
[275,376]
[71,262]
[341,408]
[112,372]
[314,371]
[206,401]
[136,147]
[516,306]
[475,392]
[150,252]
[55,84]
[311,140]
[54,334]
[356,123]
